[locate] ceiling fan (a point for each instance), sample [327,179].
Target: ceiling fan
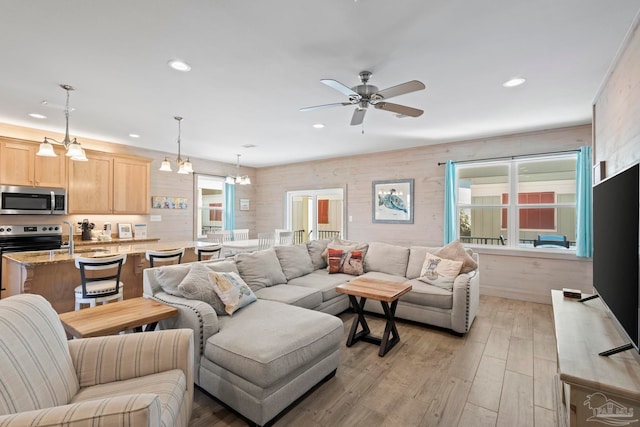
[365,94]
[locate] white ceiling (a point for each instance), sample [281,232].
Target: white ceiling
[255,63]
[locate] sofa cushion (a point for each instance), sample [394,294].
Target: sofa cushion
[457,252]
[260,269]
[232,291]
[417,255]
[197,286]
[424,294]
[294,260]
[386,258]
[440,272]
[349,262]
[315,249]
[295,295]
[323,281]
[168,387]
[277,340]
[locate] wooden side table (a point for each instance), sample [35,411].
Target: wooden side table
[381,290]
[115,317]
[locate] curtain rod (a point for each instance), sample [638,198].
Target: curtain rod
[512,157]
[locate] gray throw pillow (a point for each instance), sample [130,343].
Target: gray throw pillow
[294,260]
[260,269]
[222,266]
[170,276]
[386,258]
[457,252]
[315,249]
[197,286]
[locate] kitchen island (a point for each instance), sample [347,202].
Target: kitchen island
[53,274]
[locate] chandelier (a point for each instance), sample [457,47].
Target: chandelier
[241,180]
[74,149]
[184,166]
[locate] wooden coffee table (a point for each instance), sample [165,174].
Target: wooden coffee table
[114,317]
[384,291]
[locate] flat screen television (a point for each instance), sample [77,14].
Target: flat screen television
[616,250]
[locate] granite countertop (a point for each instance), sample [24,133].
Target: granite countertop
[113,241]
[131,247]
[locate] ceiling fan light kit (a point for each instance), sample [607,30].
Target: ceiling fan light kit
[365,94]
[73,147]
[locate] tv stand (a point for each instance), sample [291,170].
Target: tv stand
[593,387]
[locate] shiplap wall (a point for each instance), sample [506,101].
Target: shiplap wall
[515,274]
[617,109]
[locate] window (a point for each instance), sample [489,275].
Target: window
[513,202]
[210,204]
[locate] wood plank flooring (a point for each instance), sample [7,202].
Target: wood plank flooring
[500,374]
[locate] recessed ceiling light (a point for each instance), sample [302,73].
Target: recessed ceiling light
[516,81]
[176,64]
[134,135]
[318,125]
[37,116]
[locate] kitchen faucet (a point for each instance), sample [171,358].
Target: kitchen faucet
[70,244]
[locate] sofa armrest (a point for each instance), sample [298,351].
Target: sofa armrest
[120,357]
[133,410]
[466,299]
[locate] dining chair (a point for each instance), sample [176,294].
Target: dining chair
[241,234]
[265,240]
[164,257]
[208,251]
[103,283]
[284,238]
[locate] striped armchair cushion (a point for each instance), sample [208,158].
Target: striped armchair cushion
[36,370]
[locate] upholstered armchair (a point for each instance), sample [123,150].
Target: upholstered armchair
[142,379]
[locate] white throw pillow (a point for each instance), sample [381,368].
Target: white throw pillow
[232,290]
[439,272]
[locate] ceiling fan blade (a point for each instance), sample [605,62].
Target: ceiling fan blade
[400,89]
[400,109]
[334,84]
[358,116]
[318,107]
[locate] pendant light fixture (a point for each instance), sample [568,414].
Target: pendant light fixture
[74,149]
[184,166]
[241,180]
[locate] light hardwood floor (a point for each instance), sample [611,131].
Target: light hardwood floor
[500,374]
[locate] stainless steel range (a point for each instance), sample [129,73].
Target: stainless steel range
[22,238]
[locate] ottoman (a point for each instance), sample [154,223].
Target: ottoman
[267,355]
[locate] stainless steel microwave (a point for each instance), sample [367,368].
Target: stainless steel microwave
[17,200]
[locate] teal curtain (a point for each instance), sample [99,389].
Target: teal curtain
[450,233]
[229,206]
[584,204]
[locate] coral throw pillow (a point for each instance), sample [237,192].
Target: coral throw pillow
[348,262]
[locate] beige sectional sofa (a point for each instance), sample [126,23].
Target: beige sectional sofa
[272,351]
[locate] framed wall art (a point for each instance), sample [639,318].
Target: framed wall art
[392,201]
[244,204]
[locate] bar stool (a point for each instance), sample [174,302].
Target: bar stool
[164,257]
[208,251]
[99,288]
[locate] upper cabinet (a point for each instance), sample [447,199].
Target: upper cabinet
[90,188]
[19,165]
[131,186]
[109,184]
